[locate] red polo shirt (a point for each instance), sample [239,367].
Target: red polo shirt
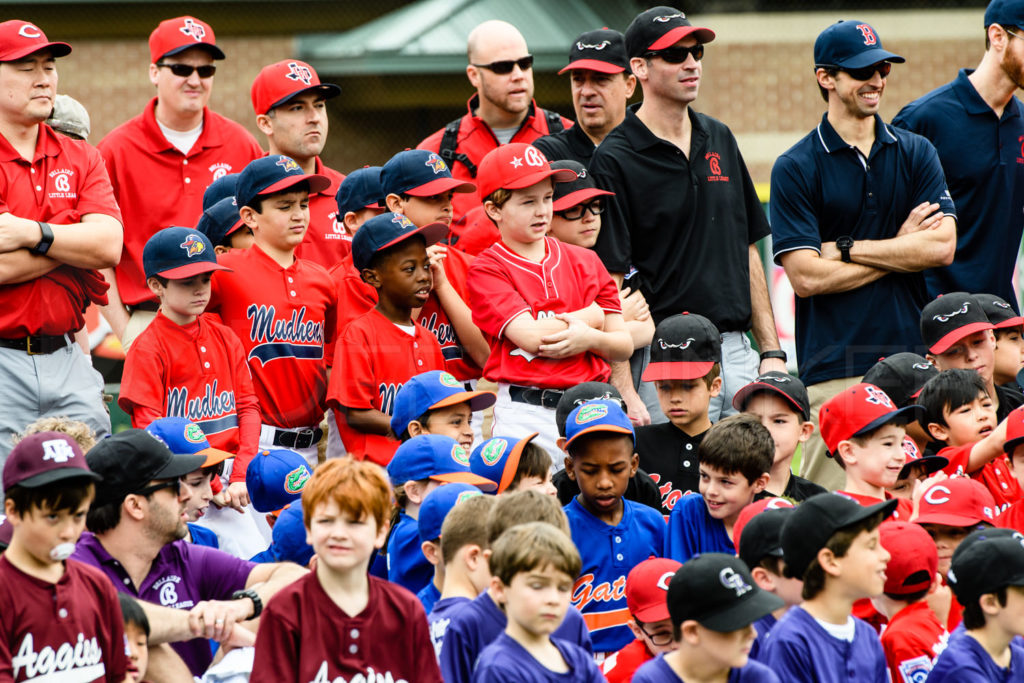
[326,241]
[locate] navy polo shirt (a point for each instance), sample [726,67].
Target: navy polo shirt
[824,188]
[686,224]
[569,143]
[983,157]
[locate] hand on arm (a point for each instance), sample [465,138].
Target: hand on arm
[95,242]
[622,379]
[637,316]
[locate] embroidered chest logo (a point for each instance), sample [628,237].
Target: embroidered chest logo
[293,337]
[714,160]
[61,184]
[220,170]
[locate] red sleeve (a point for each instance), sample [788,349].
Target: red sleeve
[95,192]
[277,642]
[143,384]
[958,457]
[433,142]
[247,408]
[493,297]
[355,386]
[900,647]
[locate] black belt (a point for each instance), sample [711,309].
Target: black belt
[37,344]
[547,398]
[300,439]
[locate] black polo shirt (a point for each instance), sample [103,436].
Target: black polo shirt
[669,455]
[569,143]
[686,224]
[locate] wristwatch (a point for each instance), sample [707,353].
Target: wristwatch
[844,244]
[775,353]
[44,244]
[257,603]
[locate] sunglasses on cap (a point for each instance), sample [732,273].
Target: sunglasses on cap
[678,55]
[865,73]
[185,70]
[505,66]
[574,213]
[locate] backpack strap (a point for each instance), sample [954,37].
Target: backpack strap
[449,142]
[555,124]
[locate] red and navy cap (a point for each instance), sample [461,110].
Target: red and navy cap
[360,190]
[661,27]
[419,173]
[515,166]
[220,220]
[224,186]
[949,318]
[787,386]
[914,557]
[926,464]
[19,39]
[179,34]
[603,50]
[1014,429]
[685,346]
[570,193]
[437,457]
[859,410]
[498,458]
[276,478]
[274,173]
[44,458]
[178,253]
[597,416]
[281,81]
[387,230]
[1005,13]
[430,391]
[851,45]
[1000,313]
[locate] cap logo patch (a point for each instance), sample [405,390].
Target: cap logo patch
[669,17]
[460,455]
[447,378]
[436,164]
[944,318]
[533,157]
[299,73]
[582,174]
[493,451]
[466,495]
[29,31]
[910,450]
[58,451]
[733,581]
[193,246]
[288,164]
[296,480]
[580,45]
[588,414]
[401,220]
[937,495]
[922,366]
[869,34]
[664,579]
[778,504]
[685,345]
[878,397]
[777,380]
[1000,304]
[194,434]
[193,30]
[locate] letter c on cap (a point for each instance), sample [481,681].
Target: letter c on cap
[29,31]
[931,497]
[665,578]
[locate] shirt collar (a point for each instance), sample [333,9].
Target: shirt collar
[474,102]
[972,101]
[207,138]
[641,137]
[832,142]
[48,144]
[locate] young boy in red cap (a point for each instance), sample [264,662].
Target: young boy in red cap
[1013,516]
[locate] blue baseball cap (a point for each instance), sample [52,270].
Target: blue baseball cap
[597,416]
[289,537]
[419,173]
[430,391]
[220,220]
[1005,13]
[497,459]
[274,173]
[851,45]
[186,438]
[387,230]
[360,190]
[178,253]
[275,478]
[219,189]
[432,456]
[438,504]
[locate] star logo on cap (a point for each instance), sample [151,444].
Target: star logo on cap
[878,397]
[193,246]
[193,30]
[516,162]
[299,73]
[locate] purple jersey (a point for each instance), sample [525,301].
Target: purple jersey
[799,650]
[439,618]
[965,661]
[692,531]
[506,661]
[428,596]
[658,671]
[763,626]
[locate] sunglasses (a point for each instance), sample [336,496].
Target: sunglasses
[185,70]
[865,73]
[505,66]
[575,213]
[173,484]
[678,55]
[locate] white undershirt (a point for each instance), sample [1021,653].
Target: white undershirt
[408,329]
[504,135]
[839,631]
[182,140]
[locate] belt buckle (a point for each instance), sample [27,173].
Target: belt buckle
[555,393]
[28,347]
[304,433]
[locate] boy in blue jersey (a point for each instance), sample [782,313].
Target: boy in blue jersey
[832,543]
[736,456]
[435,508]
[613,534]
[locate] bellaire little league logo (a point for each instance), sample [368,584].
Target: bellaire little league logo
[590,413]
[493,451]
[460,455]
[448,380]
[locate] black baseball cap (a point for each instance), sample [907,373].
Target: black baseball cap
[717,591]
[782,383]
[603,50]
[129,460]
[949,318]
[986,563]
[901,376]
[44,458]
[851,45]
[685,346]
[580,394]
[814,521]
[573,192]
[661,27]
[998,311]
[762,535]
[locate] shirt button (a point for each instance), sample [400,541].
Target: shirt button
[618,557]
[184,162]
[188,180]
[39,188]
[1005,486]
[618,539]
[689,446]
[353,648]
[292,292]
[686,463]
[32,170]
[127,581]
[206,365]
[62,613]
[291,280]
[419,362]
[354,633]
[203,349]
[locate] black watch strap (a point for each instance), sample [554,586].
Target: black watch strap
[775,353]
[257,603]
[844,244]
[44,244]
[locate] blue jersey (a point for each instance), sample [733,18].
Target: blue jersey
[801,651]
[203,536]
[608,554]
[965,661]
[692,531]
[658,671]
[407,566]
[479,623]
[506,661]
[763,626]
[428,596]
[439,617]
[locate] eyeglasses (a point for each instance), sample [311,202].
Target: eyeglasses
[185,70]
[663,638]
[678,55]
[506,65]
[865,73]
[173,484]
[575,213]
[1015,35]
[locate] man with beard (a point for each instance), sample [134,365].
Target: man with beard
[986,180]
[858,210]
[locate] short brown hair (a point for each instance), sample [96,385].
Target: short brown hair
[465,524]
[498,197]
[67,494]
[534,462]
[523,507]
[535,545]
[359,487]
[738,443]
[839,543]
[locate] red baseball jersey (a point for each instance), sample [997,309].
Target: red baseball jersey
[157,186]
[65,631]
[620,666]
[372,360]
[326,241]
[388,640]
[996,475]
[283,317]
[904,508]
[355,298]
[1012,517]
[433,317]
[503,284]
[912,641]
[197,372]
[64,181]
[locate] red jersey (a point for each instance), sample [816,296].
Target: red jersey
[433,317]
[65,631]
[64,181]
[283,317]
[1012,517]
[355,298]
[620,666]
[372,360]
[912,641]
[198,372]
[503,284]
[388,640]
[996,475]
[157,186]
[904,508]
[326,241]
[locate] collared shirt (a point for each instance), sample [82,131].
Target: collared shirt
[325,241]
[658,671]
[669,455]
[507,661]
[823,189]
[965,660]
[571,143]
[692,531]
[800,650]
[983,158]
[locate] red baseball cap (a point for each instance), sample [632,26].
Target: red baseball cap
[647,589]
[19,39]
[928,463]
[179,34]
[857,410]
[755,508]
[1014,430]
[914,558]
[515,166]
[279,82]
[958,501]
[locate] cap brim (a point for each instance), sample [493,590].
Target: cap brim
[478,400]
[328,90]
[1011,322]
[1010,445]
[441,185]
[56,49]
[179,466]
[512,464]
[234,227]
[44,478]
[739,399]
[578,197]
[214,456]
[212,49]
[476,480]
[901,416]
[743,612]
[932,464]
[558,175]
[871,57]
[703,35]
[653,613]
[191,269]
[952,337]
[317,183]
[676,370]
[432,233]
[602,428]
[600,67]
[950,519]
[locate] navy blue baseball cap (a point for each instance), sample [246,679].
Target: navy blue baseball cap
[220,220]
[274,173]
[438,504]
[219,189]
[387,230]
[437,457]
[276,478]
[419,173]
[1005,13]
[360,190]
[851,45]
[430,391]
[597,416]
[178,253]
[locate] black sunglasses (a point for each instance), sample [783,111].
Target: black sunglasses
[575,213]
[173,484]
[865,73]
[678,55]
[185,70]
[505,66]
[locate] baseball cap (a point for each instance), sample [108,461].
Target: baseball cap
[220,220]
[129,460]
[387,230]
[21,38]
[988,563]
[685,346]
[997,310]
[219,189]
[289,537]
[360,190]
[763,539]
[437,457]
[647,589]
[597,416]
[851,45]
[901,376]
[438,504]
[276,478]
[186,438]
[859,410]
[814,521]
[178,253]
[1014,430]
[1005,13]
[929,463]
[914,558]
[69,116]
[419,173]
[791,389]
[661,27]
[957,501]
[497,459]
[430,391]
[513,167]
[580,394]
[949,318]
[281,81]
[44,458]
[179,34]
[603,50]
[717,591]
[274,173]
[569,193]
